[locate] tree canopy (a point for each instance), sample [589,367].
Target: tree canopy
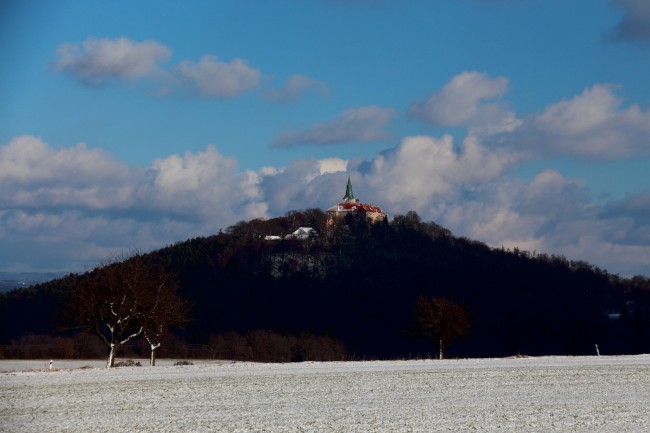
[441,321]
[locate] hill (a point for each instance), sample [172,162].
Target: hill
[356,287]
[14,280]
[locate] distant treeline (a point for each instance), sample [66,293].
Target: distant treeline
[352,290]
[259,345]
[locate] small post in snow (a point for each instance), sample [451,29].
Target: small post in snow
[50,364]
[597,350]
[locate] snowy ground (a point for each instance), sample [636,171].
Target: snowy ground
[549,394]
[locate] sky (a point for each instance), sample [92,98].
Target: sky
[134,125]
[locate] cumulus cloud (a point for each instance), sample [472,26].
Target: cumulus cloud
[635,24]
[74,196]
[332,165]
[63,208]
[294,88]
[189,187]
[421,173]
[595,124]
[99,61]
[421,170]
[353,125]
[213,78]
[592,125]
[34,175]
[96,61]
[464,100]
[67,208]
[199,186]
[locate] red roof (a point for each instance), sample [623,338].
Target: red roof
[355,207]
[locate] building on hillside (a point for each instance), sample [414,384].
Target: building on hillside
[350,205]
[302,233]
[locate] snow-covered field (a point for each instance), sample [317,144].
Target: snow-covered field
[549,394]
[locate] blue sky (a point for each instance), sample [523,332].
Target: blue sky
[520,123]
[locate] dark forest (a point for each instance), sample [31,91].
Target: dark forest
[350,293]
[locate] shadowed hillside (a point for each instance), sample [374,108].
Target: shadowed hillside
[357,285]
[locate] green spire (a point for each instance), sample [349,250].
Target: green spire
[348,192]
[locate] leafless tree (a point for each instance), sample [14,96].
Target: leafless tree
[442,321]
[164,308]
[122,298]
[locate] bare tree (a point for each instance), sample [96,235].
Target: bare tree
[119,300]
[164,309]
[442,321]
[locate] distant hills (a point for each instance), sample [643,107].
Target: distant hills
[356,285]
[14,280]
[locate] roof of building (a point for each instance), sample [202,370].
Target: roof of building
[355,207]
[351,204]
[302,233]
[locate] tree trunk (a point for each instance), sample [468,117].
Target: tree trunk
[153,346]
[115,345]
[111,356]
[152,362]
[442,356]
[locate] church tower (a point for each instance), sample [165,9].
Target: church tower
[351,205]
[349,196]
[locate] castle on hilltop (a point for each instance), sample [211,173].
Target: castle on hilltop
[350,205]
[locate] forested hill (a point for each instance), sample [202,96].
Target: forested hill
[359,284]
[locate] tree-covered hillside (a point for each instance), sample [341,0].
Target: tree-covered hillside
[357,286]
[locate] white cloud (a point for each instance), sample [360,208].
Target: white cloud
[303,184]
[353,125]
[332,165]
[549,214]
[463,188]
[78,200]
[490,218]
[580,114]
[65,208]
[98,61]
[201,186]
[95,61]
[423,170]
[213,78]
[592,125]
[463,101]
[295,87]
[34,175]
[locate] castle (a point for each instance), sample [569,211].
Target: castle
[351,205]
